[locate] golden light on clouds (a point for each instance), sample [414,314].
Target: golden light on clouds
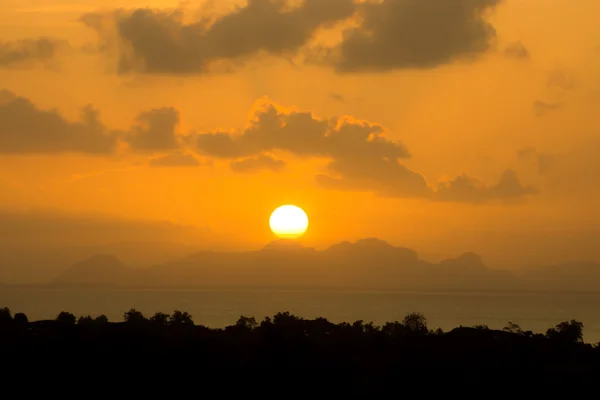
[430,126]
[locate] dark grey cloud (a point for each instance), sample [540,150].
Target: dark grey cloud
[398,34]
[155,130]
[25,128]
[387,34]
[387,178]
[28,52]
[160,42]
[303,134]
[517,50]
[260,162]
[358,149]
[467,189]
[361,157]
[175,159]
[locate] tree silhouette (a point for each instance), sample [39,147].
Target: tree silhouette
[5,316]
[415,322]
[134,316]
[266,322]
[393,329]
[568,332]
[20,319]
[85,320]
[286,340]
[247,323]
[101,319]
[66,318]
[179,318]
[513,328]
[285,319]
[371,327]
[160,318]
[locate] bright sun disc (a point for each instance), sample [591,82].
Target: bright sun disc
[288,222]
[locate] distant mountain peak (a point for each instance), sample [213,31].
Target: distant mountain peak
[465,260]
[100,268]
[372,247]
[98,260]
[373,243]
[284,245]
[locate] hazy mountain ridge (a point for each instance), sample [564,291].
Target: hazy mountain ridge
[576,276]
[36,246]
[99,269]
[366,263]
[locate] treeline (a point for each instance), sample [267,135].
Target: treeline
[412,324]
[286,340]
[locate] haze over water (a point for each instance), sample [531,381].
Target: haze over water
[219,308]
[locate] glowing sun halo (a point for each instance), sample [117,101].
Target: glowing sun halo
[288,222]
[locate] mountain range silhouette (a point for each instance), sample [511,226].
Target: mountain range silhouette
[366,263]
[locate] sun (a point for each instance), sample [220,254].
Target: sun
[288,222]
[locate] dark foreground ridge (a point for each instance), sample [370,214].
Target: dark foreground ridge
[286,341]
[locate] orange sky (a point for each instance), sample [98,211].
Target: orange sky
[525,98]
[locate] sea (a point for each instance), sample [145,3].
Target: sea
[217,308]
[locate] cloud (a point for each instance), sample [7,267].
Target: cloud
[29,52]
[548,164]
[386,178]
[399,34]
[526,154]
[155,130]
[301,133]
[160,42]
[571,172]
[545,162]
[106,171]
[25,128]
[561,79]
[253,164]
[385,35]
[517,50]
[175,159]
[542,107]
[36,227]
[359,155]
[345,140]
[337,97]
[467,189]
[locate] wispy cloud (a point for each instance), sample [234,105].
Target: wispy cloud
[93,174]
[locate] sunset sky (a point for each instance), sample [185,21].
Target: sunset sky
[441,125]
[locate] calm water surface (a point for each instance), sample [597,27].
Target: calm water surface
[219,308]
